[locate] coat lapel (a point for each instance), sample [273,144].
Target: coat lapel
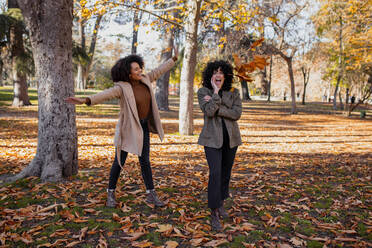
[129,98]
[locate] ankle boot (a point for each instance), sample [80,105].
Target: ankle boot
[152,198]
[222,212]
[215,221]
[111,201]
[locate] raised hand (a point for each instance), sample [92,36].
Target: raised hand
[216,89]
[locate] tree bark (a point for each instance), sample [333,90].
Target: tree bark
[293,90]
[245,90]
[19,78]
[269,83]
[162,84]
[306,75]
[80,81]
[188,68]
[136,22]
[50,25]
[340,72]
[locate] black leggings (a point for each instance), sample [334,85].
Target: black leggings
[220,162]
[144,160]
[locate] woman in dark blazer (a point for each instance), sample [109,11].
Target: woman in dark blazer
[220,136]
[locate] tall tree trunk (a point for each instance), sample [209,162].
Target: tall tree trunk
[245,90]
[306,75]
[1,72]
[341,103]
[80,77]
[162,84]
[293,90]
[188,68]
[92,49]
[136,22]
[340,71]
[19,78]
[50,25]
[269,83]
[80,81]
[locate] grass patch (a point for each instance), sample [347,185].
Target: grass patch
[324,203]
[314,244]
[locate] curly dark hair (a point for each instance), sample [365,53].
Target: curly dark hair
[213,66]
[121,70]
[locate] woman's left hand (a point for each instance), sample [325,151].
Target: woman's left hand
[207,98]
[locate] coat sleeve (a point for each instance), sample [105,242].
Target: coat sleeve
[235,111]
[163,68]
[210,107]
[113,92]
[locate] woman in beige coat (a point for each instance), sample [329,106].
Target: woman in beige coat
[220,136]
[138,116]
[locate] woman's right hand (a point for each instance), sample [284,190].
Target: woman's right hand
[76,100]
[215,87]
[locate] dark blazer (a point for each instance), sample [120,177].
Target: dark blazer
[228,107]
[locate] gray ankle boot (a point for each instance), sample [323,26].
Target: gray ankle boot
[222,212]
[152,198]
[215,221]
[111,201]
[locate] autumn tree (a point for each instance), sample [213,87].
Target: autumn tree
[346,25]
[50,26]
[286,40]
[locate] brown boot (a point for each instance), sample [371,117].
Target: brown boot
[111,201]
[215,220]
[152,198]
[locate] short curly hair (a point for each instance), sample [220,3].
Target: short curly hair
[121,70]
[213,66]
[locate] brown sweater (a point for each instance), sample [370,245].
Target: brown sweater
[143,99]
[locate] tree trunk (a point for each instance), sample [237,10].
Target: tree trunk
[339,77]
[19,78]
[92,49]
[341,103]
[136,22]
[269,83]
[306,75]
[188,68]
[50,25]
[162,84]
[263,82]
[245,90]
[293,90]
[80,77]
[1,72]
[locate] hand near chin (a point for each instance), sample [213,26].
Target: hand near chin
[216,89]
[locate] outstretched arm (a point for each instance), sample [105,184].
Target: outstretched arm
[114,92]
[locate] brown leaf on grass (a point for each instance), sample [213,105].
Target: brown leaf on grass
[142,244]
[171,244]
[215,243]
[134,236]
[297,242]
[102,243]
[83,232]
[164,228]
[72,244]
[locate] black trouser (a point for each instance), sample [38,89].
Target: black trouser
[144,160]
[220,162]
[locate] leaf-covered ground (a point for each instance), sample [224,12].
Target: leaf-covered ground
[298,181]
